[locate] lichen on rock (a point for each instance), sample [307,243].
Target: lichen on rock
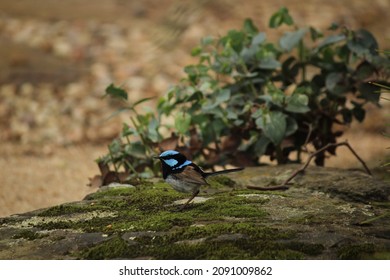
[325,214]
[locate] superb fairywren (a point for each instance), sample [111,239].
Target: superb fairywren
[184,175]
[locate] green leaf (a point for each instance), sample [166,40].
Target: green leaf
[153,134]
[292,126]
[164,106]
[315,34]
[290,39]
[273,125]
[222,96]
[182,123]
[330,41]
[126,130]
[277,95]
[136,149]
[297,103]
[211,130]
[195,72]
[200,119]
[249,27]
[234,39]
[363,43]
[269,63]
[257,114]
[334,26]
[365,70]
[231,115]
[196,97]
[261,145]
[116,92]
[208,40]
[282,16]
[334,83]
[259,39]
[219,97]
[115,146]
[196,51]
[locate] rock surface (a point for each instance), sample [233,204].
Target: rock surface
[326,214]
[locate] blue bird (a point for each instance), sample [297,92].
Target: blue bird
[184,175]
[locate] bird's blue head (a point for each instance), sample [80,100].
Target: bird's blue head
[172,162]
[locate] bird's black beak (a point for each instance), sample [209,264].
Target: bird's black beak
[156,157]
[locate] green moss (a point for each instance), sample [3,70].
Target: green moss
[113,248]
[158,222]
[148,199]
[150,209]
[227,205]
[96,224]
[221,182]
[252,242]
[154,200]
[159,248]
[224,227]
[63,210]
[125,191]
[56,225]
[29,235]
[236,207]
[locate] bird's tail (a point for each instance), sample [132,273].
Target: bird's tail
[208,174]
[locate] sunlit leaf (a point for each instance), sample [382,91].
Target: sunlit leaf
[219,97]
[332,39]
[259,38]
[297,103]
[291,39]
[269,63]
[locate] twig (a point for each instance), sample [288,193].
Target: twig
[308,136]
[312,155]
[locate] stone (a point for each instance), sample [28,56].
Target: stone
[326,213]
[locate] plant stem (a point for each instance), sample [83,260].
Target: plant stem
[302,58]
[113,163]
[279,154]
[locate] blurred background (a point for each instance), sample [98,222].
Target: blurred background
[57,57]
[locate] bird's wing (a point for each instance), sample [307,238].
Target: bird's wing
[190,175]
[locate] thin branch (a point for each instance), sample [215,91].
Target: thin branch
[312,155]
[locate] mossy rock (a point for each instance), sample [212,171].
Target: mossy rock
[324,215]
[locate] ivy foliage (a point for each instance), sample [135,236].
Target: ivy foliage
[248,97]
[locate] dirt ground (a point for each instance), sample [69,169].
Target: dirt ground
[57,58]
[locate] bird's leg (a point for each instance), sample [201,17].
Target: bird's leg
[188,201]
